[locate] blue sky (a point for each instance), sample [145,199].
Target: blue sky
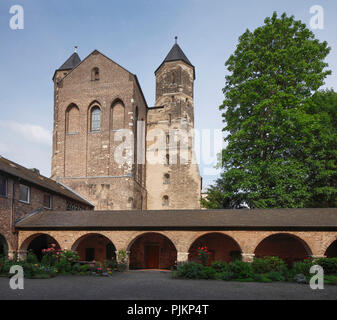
[136,34]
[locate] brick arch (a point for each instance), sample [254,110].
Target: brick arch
[288,246]
[44,242]
[222,246]
[72,118]
[95,74]
[26,241]
[135,236]
[153,250]
[4,246]
[96,241]
[195,235]
[117,114]
[331,250]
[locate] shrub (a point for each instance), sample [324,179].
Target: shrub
[121,267]
[84,268]
[31,257]
[241,270]
[261,278]
[225,275]
[69,255]
[275,276]
[122,256]
[330,279]
[111,264]
[63,266]
[7,265]
[208,273]
[76,268]
[203,255]
[329,265]
[301,267]
[220,266]
[267,264]
[190,270]
[50,255]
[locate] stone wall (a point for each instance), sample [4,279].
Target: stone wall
[84,159]
[175,119]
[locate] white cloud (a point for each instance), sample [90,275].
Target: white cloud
[31,132]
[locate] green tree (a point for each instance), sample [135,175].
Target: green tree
[274,73]
[322,155]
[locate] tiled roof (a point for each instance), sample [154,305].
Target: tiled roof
[71,63]
[185,219]
[176,54]
[35,178]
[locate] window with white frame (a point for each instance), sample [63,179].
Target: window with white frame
[24,193]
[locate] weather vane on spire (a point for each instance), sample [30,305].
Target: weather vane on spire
[175,39]
[75,48]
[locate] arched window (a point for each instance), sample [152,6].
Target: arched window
[72,119]
[166,178]
[130,203]
[95,74]
[167,159]
[95,119]
[165,201]
[117,116]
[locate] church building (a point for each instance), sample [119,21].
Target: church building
[95,101]
[124,179]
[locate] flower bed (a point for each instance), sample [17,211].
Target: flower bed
[56,262]
[268,269]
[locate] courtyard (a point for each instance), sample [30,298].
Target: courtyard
[157,285]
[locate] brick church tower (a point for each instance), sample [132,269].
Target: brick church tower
[94,100]
[174,183]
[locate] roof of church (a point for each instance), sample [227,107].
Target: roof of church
[285,219]
[176,54]
[33,176]
[71,63]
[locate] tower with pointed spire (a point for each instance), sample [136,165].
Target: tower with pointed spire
[95,100]
[174,183]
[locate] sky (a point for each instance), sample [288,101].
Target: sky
[136,34]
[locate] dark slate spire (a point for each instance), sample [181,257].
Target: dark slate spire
[71,63]
[176,54]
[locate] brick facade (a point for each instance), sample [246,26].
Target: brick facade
[12,209]
[83,158]
[315,243]
[174,92]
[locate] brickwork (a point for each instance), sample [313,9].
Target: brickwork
[167,254]
[287,247]
[247,242]
[84,158]
[220,247]
[174,92]
[98,244]
[12,209]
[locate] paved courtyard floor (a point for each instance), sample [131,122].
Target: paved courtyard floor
[157,285]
